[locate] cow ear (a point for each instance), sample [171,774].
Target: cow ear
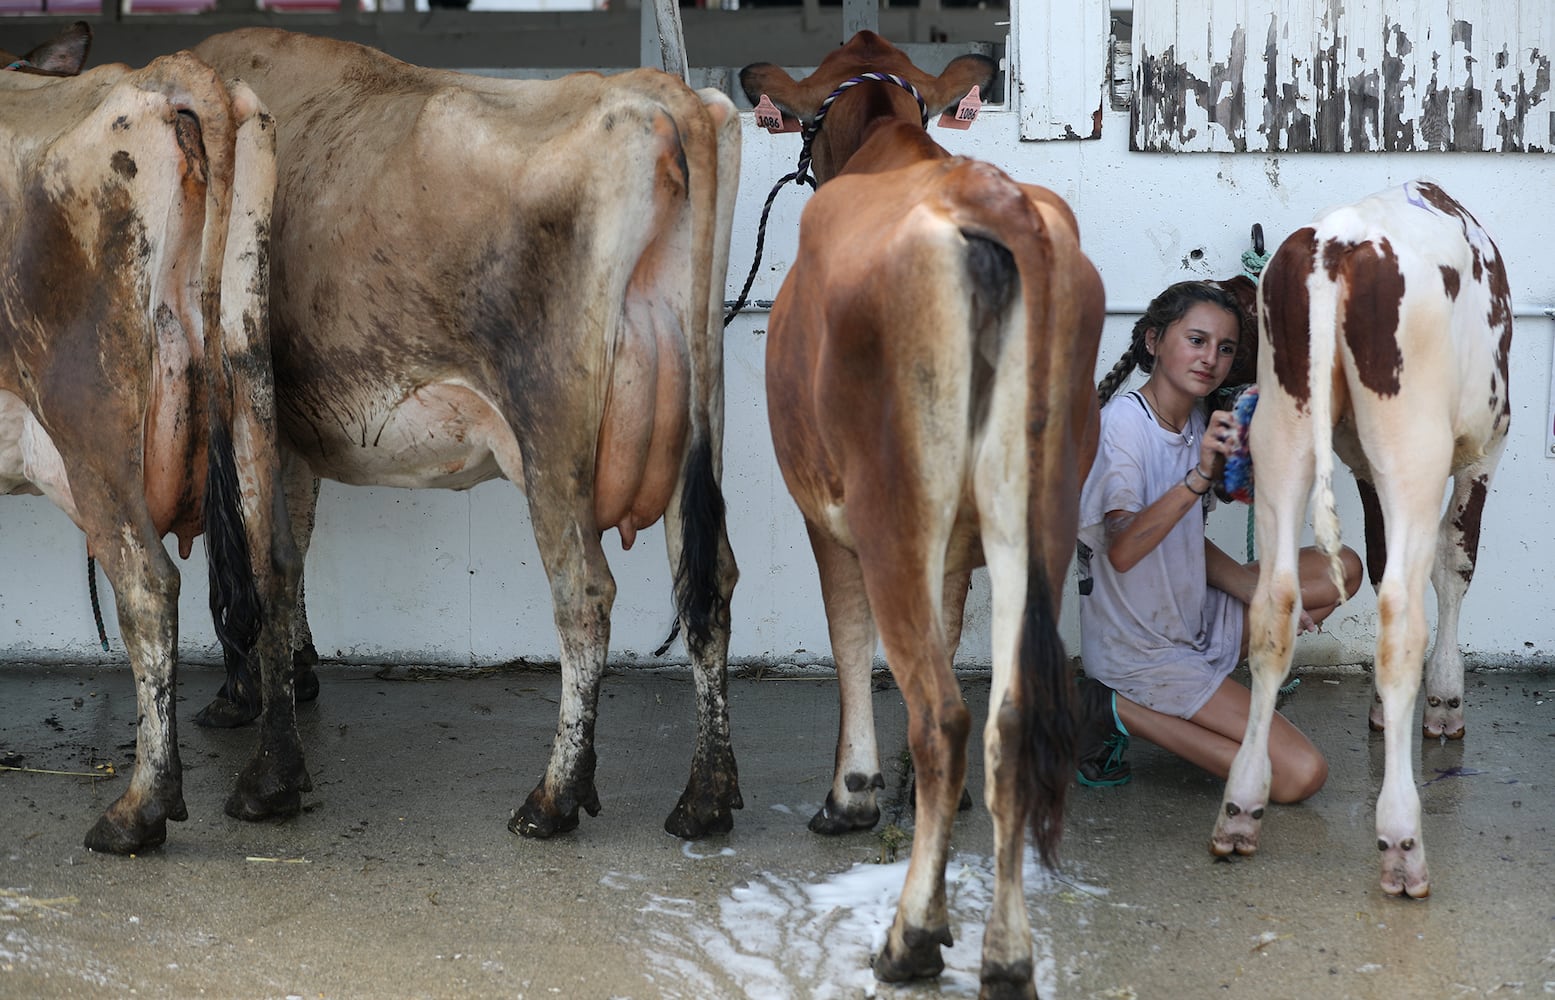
[773,81]
[963,73]
[65,53]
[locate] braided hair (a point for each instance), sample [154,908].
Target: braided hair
[1164,310]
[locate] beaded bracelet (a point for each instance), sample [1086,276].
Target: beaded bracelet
[1208,482]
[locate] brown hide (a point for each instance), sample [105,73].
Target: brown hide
[131,196]
[928,380]
[477,278]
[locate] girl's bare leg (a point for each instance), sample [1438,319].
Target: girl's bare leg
[1211,738]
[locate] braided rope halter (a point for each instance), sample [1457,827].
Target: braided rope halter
[802,174]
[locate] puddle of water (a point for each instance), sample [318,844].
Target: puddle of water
[789,939]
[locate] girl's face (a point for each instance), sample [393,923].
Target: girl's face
[1194,354]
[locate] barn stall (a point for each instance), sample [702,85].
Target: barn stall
[1171,128]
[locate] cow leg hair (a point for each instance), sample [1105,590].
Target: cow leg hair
[146,585]
[1457,549]
[938,726]
[582,591]
[1271,619]
[1006,970]
[1400,648]
[856,777]
[227,712]
[706,807]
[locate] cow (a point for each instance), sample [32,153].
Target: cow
[475,278]
[1385,329]
[929,359]
[135,389]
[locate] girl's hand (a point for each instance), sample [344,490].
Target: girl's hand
[1219,442]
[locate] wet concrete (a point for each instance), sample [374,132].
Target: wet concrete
[400,878]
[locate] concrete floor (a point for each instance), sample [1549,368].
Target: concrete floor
[400,878]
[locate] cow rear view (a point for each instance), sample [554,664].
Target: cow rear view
[1386,327]
[134,370]
[928,380]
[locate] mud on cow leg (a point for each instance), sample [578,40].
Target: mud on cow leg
[138,820]
[546,813]
[270,787]
[706,807]
[227,712]
[918,956]
[1010,981]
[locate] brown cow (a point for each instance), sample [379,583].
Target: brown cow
[135,384]
[477,278]
[1385,332]
[928,378]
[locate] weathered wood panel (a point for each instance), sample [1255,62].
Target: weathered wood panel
[1063,69]
[1294,76]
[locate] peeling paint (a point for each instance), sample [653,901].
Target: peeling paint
[1349,77]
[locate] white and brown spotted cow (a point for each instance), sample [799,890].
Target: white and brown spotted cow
[928,379]
[1386,327]
[477,278]
[135,386]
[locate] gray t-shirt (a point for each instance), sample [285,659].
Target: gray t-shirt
[1158,634]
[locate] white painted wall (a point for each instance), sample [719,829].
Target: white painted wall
[423,576]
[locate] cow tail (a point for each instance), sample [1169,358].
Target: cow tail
[196,91]
[1326,297]
[235,605]
[1045,758]
[697,597]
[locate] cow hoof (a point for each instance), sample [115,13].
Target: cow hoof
[693,819]
[111,836]
[267,791]
[1008,981]
[832,820]
[530,820]
[1404,871]
[1443,719]
[222,713]
[305,685]
[1236,831]
[917,957]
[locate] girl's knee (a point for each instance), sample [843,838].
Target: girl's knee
[1300,779]
[1353,570]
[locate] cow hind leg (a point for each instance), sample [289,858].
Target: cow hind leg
[1376,565]
[850,802]
[938,726]
[1411,501]
[1457,550]
[145,585]
[705,575]
[1007,966]
[272,783]
[226,711]
[582,592]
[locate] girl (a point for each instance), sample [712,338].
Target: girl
[1163,609]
